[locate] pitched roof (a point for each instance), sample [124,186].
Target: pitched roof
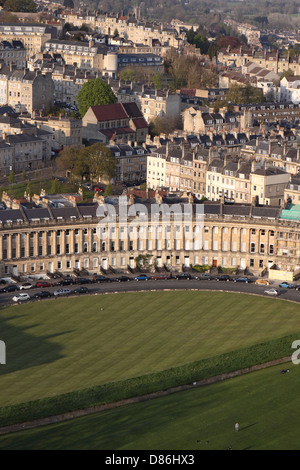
[132,110]
[109,112]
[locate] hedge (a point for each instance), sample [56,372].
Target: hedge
[137,386]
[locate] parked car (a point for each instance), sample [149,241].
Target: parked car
[286,285]
[66,282]
[203,277]
[98,189]
[272,292]
[297,287]
[223,277]
[247,280]
[81,290]
[43,284]
[10,288]
[62,292]
[83,280]
[44,294]
[26,285]
[101,278]
[160,277]
[142,277]
[185,276]
[123,279]
[21,297]
[262,282]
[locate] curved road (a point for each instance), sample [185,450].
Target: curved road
[172,284]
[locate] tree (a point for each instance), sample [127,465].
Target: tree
[287,73]
[239,94]
[7,17]
[20,5]
[212,50]
[101,162]
[11,177]
[202,43]
[94,93]
[164,125]
[231,41]
[55,187]
[28,190]
[127,74]
[108,190]
[81,166]
[67,158]
[157,81]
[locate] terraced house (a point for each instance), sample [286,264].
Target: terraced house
[25,90]
[20,152]
[175,232]
[33,36]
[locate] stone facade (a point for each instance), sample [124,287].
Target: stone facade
[25,90]
[48,239]
[33,36]
[64,131]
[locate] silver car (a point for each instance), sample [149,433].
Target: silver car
[62,292]
[21,297]
[272,292]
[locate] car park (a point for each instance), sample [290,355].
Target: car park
[142,277]
[21,297]
[26,285]
[81,290]
[246,280]
[42,295]
[272,292]
[286,285]
[62,292]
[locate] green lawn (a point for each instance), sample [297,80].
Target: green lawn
[265,403]
[58,346]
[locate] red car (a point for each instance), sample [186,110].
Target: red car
[160,277]
[43,284]
[99,190]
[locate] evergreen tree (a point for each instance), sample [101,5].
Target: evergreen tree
[11,177]
[108,190]
[55,187]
